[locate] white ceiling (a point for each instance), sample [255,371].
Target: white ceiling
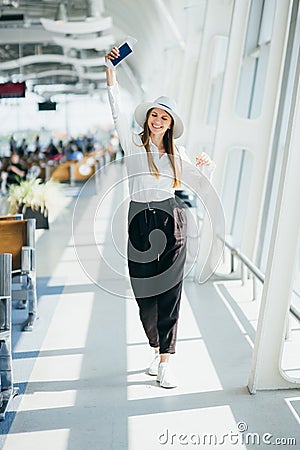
[31,50]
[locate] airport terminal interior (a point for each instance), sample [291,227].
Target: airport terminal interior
[73,352]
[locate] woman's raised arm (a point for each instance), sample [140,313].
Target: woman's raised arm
[120,119]
[110,73]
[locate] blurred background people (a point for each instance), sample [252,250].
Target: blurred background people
[15,170]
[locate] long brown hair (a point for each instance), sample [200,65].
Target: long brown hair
[168,141]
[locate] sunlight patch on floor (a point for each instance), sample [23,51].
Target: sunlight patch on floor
[45,400]
[56,368]
[70,323]
[44,439]
[204,428]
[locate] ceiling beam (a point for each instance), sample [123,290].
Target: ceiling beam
[50,58]
[87,26]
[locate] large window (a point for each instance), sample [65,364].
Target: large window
[219,53]
[255,58]
[235,192]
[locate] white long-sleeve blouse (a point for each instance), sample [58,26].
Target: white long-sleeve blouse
[143,186]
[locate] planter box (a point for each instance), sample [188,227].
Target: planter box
[41,219]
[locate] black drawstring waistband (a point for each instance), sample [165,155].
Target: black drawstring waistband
[161,204]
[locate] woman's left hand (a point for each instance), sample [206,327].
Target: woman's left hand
[203,160]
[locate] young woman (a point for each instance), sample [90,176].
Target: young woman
[156,222]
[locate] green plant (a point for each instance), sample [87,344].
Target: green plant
[31,193]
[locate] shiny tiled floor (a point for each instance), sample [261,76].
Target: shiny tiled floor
[82,370]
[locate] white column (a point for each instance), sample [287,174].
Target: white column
[95,8]
[266,372]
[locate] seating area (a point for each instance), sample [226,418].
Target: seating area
[18,289]
[66,171]
[18,239]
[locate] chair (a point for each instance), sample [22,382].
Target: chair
[14,217]
[75,170]
[7,390]
[18,238]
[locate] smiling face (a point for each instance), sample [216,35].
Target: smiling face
[159,121]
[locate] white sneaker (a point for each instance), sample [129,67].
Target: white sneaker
[153,366]
[165,376]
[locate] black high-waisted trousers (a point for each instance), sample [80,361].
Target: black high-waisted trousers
[156,257]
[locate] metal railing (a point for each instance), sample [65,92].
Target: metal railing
[256,272]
